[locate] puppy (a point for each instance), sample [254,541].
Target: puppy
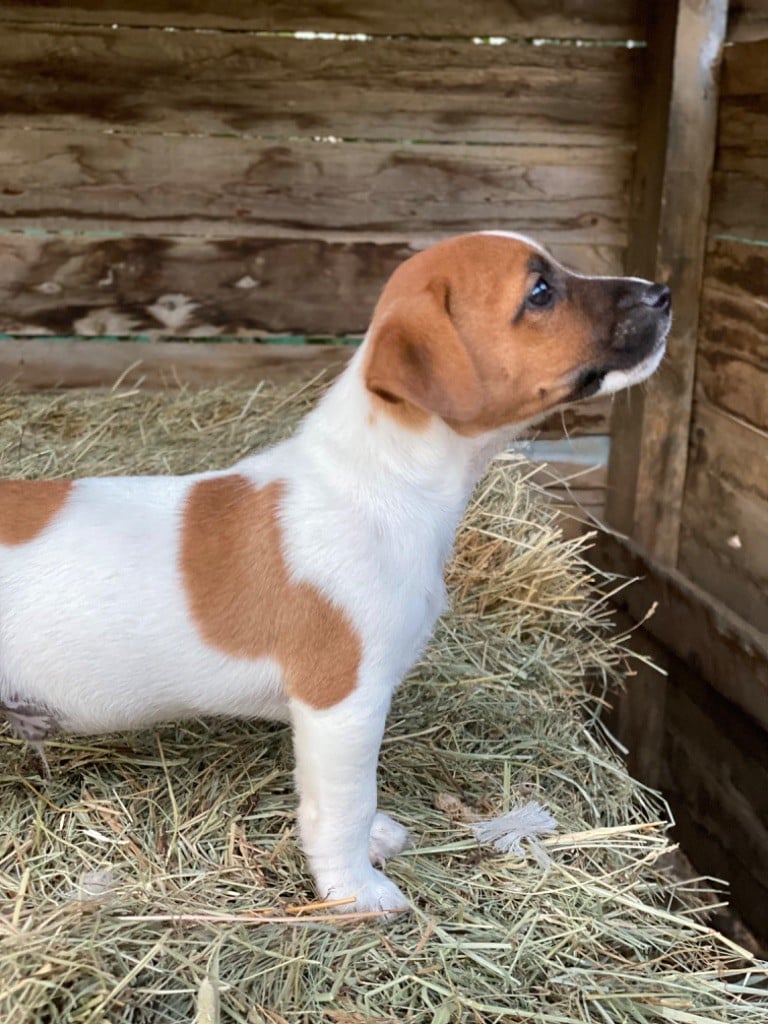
[303,583]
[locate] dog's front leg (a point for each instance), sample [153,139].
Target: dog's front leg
[337,751]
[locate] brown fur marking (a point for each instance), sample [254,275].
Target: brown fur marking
[27,507]
[243,601]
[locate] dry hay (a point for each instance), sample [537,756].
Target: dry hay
[155,878]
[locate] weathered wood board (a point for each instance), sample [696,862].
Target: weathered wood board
[708,757]
[724,519]
[239,83]
[714,642]
[740,183]
[698,732]
[747,20]
[671,191]
[194,287]
[568,19]
[222,186]
[714,774]
[724,523]
[213,153]
[732,353]
[42,365]
[189,287]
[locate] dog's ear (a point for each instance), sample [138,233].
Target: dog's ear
[417,356]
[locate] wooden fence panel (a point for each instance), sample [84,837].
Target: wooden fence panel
[647,467]
[732,354]
[386,89]
[162,184]
[568,19]
[214,158]
[740,184]
[724,523]
[747,20]
[195,287]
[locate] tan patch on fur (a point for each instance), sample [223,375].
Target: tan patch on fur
[243,601]
[27,507]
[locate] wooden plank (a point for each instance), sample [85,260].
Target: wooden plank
[725,513]
[725,651]
[644,224]
[747,20]
[715,777]
[40,365]
[708,758]
[163,184]
[390,89]
[740,185]
[587,418]
[637,712]
[732,356]
[189,287]
[583,19]
[64,285]
[740,200]
[651,441]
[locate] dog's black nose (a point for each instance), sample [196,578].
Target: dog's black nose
[658,296]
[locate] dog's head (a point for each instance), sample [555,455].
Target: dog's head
[488,330]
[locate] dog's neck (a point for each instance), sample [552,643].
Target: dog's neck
[377,460]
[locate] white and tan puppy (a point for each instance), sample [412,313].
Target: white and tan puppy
[302,583]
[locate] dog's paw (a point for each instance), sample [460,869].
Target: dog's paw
[388,838]
[374,892]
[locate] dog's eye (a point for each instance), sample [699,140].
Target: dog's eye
[541,295]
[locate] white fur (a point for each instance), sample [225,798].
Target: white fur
[95,628]
[618,379]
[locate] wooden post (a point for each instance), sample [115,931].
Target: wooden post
[670,204]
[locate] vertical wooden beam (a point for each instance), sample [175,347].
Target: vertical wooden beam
[670,204]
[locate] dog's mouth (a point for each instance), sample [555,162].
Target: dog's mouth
[589,382]
[605,380]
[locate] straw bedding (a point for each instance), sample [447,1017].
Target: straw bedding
[155,877]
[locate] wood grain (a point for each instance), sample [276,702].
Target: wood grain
[732,355]
[196,287]
[715,776]
[247,187]
[698,734]
[740,185]
[189,287]
[637,712]
[581,19]
[41,365]
[725,513]
[721,647]
[644,224]
[653,441]
[747,20]
[385,89]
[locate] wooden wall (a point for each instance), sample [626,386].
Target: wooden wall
[724,528]
[698,517]
[195,169]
